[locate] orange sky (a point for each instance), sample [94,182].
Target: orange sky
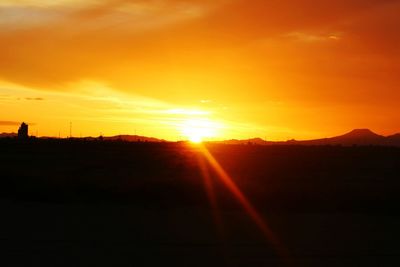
[274,69]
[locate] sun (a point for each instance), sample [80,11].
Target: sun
[195,139]
[198,129]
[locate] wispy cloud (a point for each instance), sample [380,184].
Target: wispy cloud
[17,97]
[124,15]
[314,37]
[34,98]
[9,123]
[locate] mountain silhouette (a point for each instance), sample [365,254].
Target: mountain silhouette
[358,137]
[393,139]
[5,135]
[253,141]
[362,137]
[133,138]
[361,134]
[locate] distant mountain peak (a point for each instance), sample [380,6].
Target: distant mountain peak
[362,133]
[362,130]
[362,137]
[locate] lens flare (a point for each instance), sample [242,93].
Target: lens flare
[243,201]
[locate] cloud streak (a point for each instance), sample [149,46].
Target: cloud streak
[34,98]
[9,123]
[103,41]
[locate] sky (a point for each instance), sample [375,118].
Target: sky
[273,69]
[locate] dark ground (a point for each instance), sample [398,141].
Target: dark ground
[76,203]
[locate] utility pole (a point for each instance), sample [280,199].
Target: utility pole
[70,129]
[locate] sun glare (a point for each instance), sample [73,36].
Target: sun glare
[195,139]
[197,130]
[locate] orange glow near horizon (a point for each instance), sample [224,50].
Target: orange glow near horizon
[283,70]
[197,130]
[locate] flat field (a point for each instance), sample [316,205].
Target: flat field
[93,203]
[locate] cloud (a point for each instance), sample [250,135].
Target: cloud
[313,37]
[181,49]
[44,3]
[34,98]
[48,47]
[9,123]
[12,98]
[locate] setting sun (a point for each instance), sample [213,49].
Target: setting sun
[196,130]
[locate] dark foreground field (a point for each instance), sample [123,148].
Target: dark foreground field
[76,203]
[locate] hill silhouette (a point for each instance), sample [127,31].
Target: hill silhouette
[360,137]
[354,137]
[126,138]
[393,139]
[133,138]
[254,141]
[7,135]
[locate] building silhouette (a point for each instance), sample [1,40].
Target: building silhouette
[23,131]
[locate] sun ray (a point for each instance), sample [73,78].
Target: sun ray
[244,202]
[212,198]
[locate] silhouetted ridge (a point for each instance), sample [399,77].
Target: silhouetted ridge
[358,137]
[361,133]
[393,140]
[394,136]
[133,138]
[2,135]
[252,141]
[355,137]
